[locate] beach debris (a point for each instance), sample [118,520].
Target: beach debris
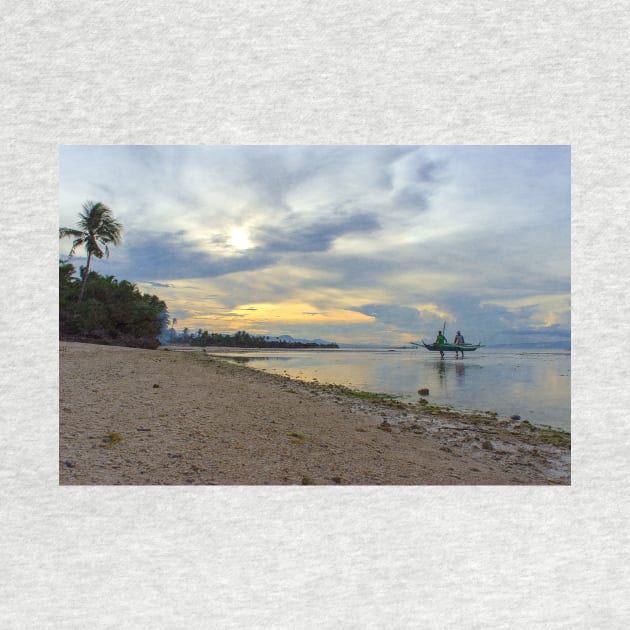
[515,417]
[298,438]
[143,429]
[69,464]
[155,385]
[337,479]
[556,436]
[112,438]
[423,392]
[307,481]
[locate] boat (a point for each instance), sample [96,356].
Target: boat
[448,347]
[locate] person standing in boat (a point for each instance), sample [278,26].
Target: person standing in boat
[459,341]
[440,340]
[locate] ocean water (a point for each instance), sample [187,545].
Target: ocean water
[534,384]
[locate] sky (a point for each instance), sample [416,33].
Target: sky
[351,244]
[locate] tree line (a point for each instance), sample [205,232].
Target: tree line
[103,309]
[243,339]
[109,310]
[98,308]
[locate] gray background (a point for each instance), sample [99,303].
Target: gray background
[302,73]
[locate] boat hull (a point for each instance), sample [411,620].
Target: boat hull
[449,347]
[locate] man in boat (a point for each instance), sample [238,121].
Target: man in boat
[459,341]
[440,340]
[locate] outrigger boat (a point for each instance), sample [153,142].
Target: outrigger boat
[448,347]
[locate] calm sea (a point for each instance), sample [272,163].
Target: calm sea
[534,384]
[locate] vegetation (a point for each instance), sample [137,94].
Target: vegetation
[111,311]
[112,438]
[357,393]
[240,339]
[98,308]
[298,438]
[97,230]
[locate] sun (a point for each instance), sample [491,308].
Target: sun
[239,239]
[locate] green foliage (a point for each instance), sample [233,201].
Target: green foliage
[97,230]
[298,437]
[112,438]
[242,339]
[556,436]
[110,309]
[68,286]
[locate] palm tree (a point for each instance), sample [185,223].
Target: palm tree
[97,230]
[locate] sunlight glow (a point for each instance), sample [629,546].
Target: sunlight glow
[298,312]
[239,239]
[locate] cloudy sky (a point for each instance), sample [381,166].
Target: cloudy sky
[354,244]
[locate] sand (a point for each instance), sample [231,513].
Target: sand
[137,417]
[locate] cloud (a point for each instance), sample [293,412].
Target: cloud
[296,235]
[403,317]
[152,256]
[161,285]
[415,177]
[149,256]
[180,314]
[483,233]
[491,322]
[555,331]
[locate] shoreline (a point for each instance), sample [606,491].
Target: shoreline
[136,417]
[233,354]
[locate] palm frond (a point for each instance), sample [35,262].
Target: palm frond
[97,228]
[110,227]
[64,232]
[76,243]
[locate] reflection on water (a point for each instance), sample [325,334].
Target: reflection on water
[532,384]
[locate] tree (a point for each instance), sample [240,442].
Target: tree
[97,230]
[111,310]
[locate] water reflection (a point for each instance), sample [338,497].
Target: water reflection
[446,369]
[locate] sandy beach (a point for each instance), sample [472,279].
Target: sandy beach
[163,417]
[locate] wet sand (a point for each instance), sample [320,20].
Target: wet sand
[164,417]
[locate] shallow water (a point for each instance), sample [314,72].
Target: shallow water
[534,384]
